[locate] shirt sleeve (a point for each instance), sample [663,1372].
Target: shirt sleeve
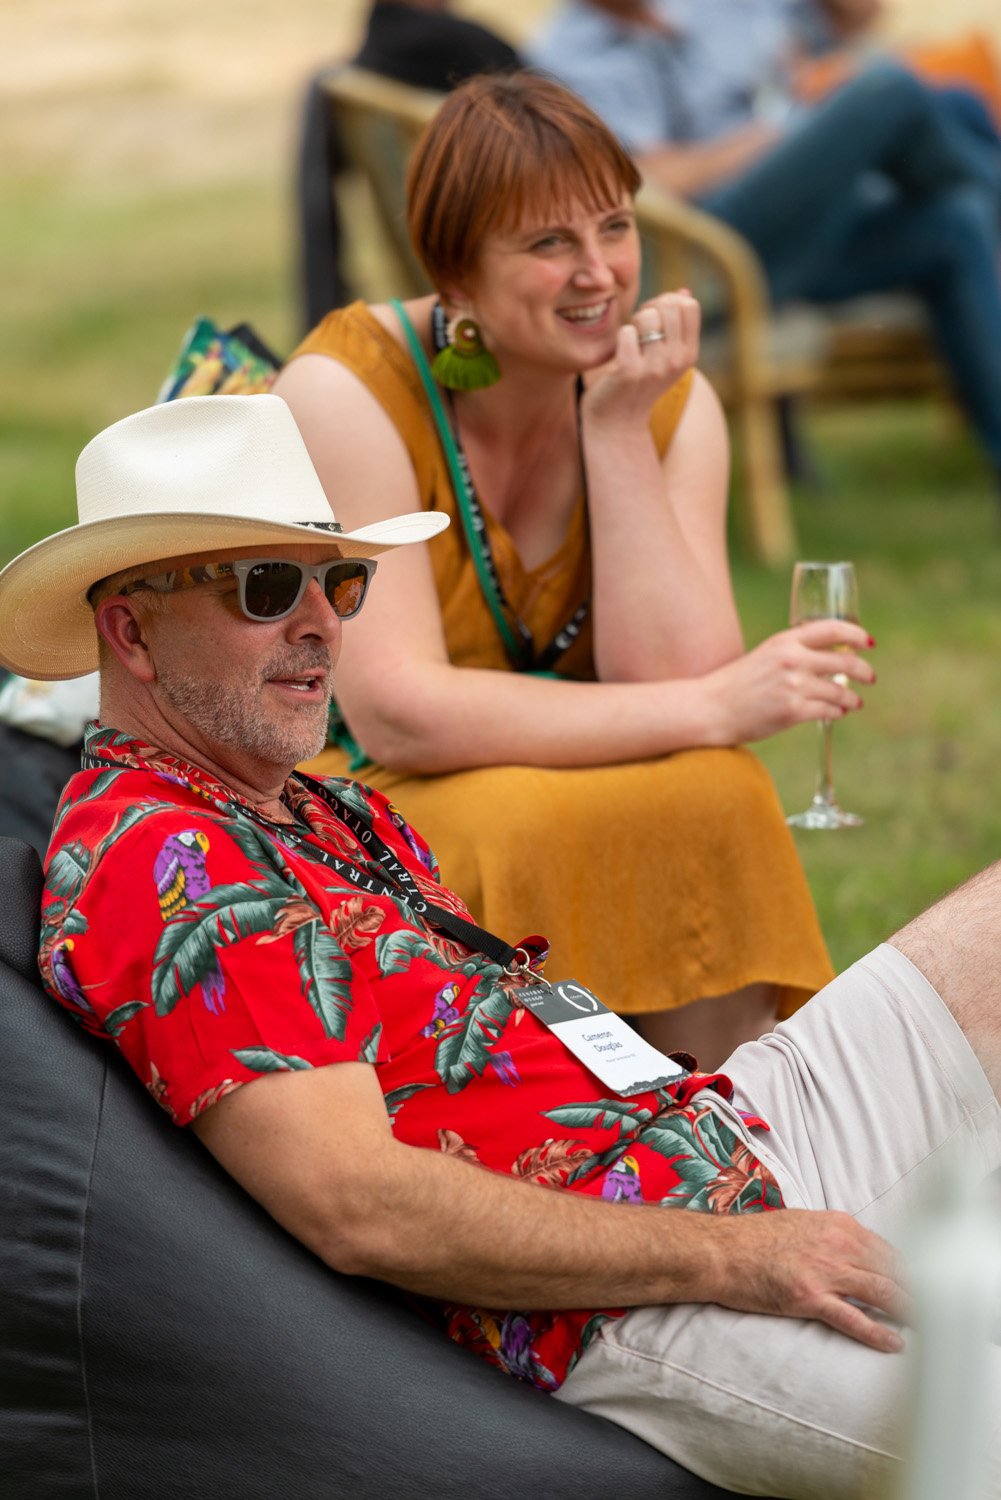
[623,73]
[192,945]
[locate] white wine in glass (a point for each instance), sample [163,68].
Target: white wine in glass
[824,591]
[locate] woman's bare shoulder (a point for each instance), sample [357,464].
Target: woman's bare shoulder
[702,412]
[418,310]
[696,460]
[348,364]
[354,441]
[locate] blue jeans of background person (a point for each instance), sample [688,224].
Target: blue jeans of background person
[969,111]
[883,186]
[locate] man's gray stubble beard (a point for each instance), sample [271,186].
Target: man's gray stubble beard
[231,716]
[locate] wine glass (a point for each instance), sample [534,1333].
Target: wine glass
[824,591]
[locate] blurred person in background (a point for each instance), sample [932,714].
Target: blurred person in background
[883,185]
[831,39]
[825,25]
[556,690]
[418,42]
[423,43]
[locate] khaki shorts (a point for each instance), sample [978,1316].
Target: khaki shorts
[875,1099]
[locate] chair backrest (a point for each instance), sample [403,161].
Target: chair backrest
[378,122]
[20,893]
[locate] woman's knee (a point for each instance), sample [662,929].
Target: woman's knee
[687,794]
[730,784]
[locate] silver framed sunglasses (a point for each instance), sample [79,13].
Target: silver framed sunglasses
[269,588]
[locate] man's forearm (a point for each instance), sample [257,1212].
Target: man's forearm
[449,1229]
[454,1231]
[315,1148]
[695,168]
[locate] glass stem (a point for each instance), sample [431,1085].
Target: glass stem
[825,783]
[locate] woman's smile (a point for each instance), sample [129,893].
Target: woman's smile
[590,316]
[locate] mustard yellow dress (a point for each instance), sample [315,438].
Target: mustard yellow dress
[658,882]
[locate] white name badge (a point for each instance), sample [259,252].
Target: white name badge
[600,1039]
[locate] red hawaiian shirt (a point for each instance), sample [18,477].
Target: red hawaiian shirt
[213,949]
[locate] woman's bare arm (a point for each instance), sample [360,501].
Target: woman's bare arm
[663,602]
[413,711]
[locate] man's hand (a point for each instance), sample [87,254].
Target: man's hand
[807,1264]
[692,167]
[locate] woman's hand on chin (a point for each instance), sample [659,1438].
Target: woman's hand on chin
[653,350]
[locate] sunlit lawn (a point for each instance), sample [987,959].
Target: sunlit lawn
[907,500]
[104,283]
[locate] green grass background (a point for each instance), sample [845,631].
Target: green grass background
[120,226]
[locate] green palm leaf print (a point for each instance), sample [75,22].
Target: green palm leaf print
[603,1114]
[116,1020]
[266,1060]
[98,786]
[369,1050]
[267,857]
[396,951]
[190,941]
[671,1139]
[68,870]
[464,1048]
[597,1163]
[325,972]
[353,797]
[128,819]
[697,1177]
[397,1098]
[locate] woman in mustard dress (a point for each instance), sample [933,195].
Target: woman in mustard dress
[555,690]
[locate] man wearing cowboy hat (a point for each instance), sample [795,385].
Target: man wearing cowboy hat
[230,923]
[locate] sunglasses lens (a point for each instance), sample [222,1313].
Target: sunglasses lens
[270,589]
[346,585]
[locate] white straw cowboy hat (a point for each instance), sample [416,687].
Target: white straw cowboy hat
[201,474]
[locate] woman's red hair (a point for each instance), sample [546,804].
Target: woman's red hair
[502,146]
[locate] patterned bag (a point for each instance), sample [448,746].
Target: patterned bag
[217,361]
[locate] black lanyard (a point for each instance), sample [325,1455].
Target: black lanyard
[390,878]
[395,875]
[521,650]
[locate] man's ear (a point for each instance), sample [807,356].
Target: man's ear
[118,623]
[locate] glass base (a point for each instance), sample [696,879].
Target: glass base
[821,814]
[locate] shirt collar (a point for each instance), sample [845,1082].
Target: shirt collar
[134,754]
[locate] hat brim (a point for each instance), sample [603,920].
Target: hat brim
[46,624]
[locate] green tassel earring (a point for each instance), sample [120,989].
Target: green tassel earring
[465,364]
